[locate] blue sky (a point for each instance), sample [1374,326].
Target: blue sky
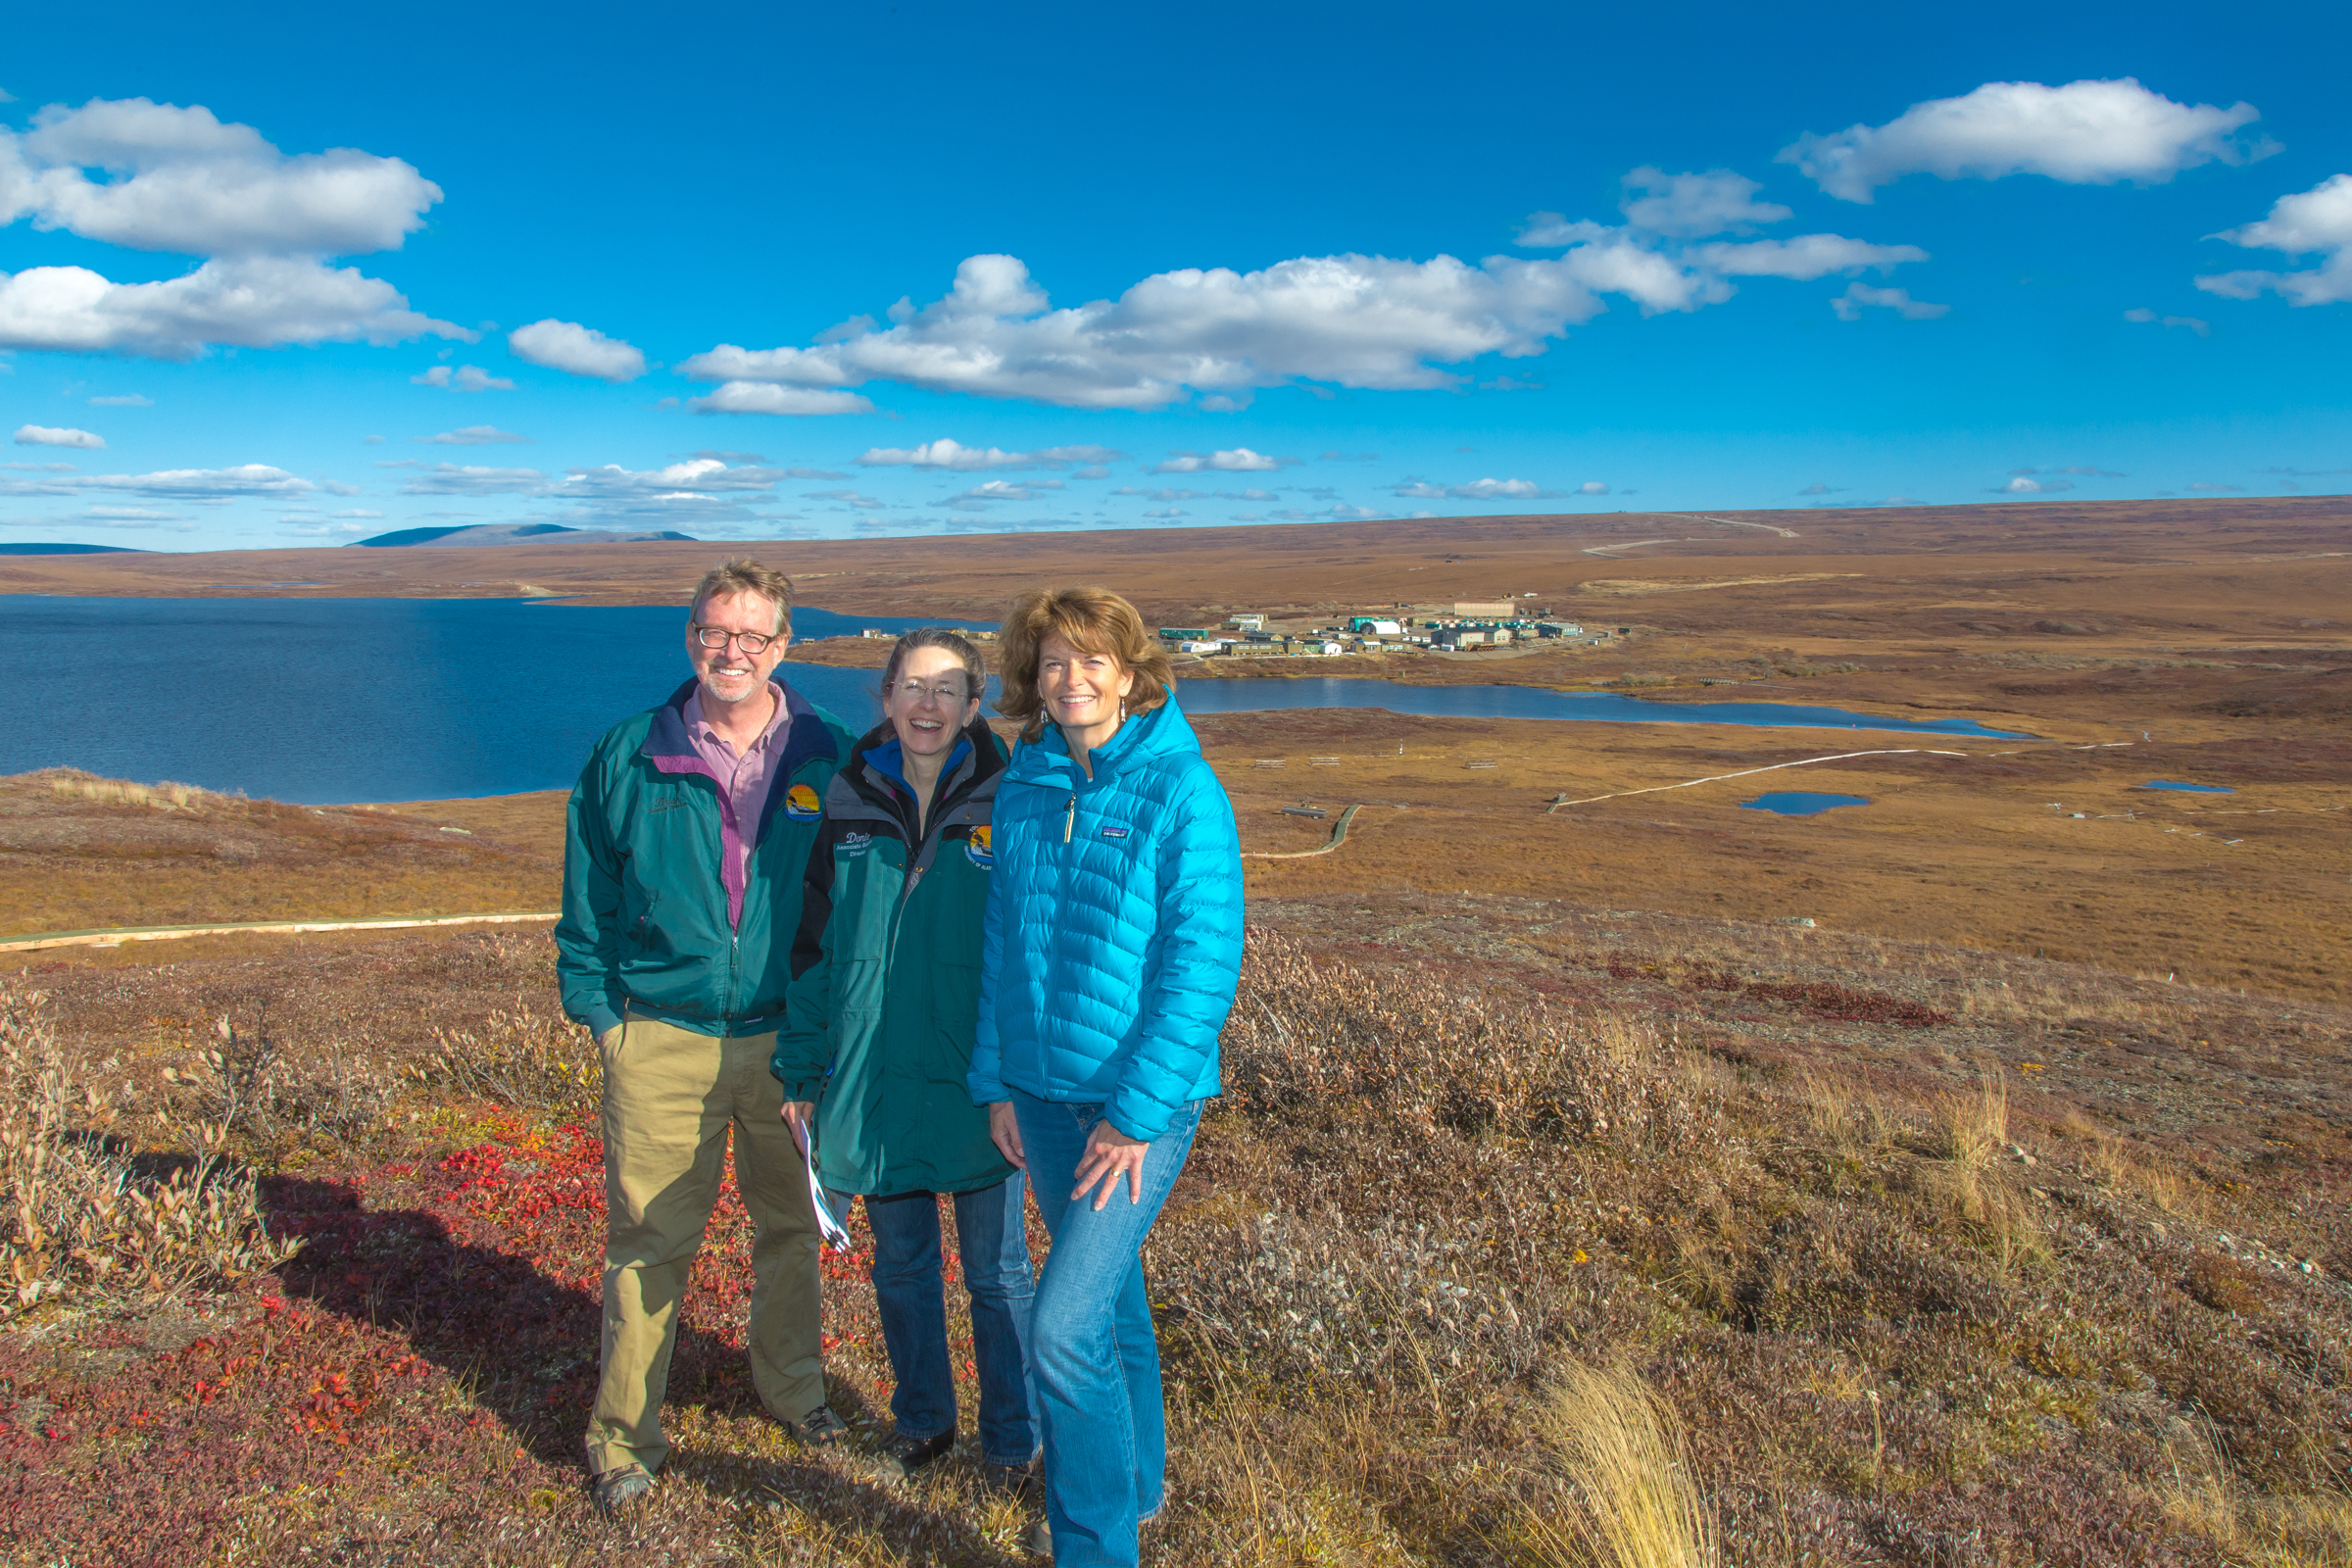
[861,270]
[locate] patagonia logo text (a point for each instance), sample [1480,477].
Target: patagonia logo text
[1114,832]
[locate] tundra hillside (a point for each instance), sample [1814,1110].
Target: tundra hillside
[1527,1232]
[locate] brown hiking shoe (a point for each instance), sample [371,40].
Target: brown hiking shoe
[622,1484]
[820,1428]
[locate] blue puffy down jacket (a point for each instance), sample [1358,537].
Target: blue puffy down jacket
[1114,936]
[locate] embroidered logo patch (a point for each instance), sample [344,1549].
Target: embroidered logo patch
[1114,832]
[981,848]
[802,805]
[659,806]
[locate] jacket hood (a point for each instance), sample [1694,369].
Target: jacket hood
[1144,739]
[977,754]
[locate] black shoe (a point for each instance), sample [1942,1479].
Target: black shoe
[1039,1539]
[902,1457]
[620,1485]
[820,1428]
[1019,1482]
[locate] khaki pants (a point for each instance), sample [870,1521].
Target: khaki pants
[670,1097]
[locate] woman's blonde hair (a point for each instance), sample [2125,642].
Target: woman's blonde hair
[1093,621]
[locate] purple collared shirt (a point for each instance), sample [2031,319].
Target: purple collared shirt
[744,783]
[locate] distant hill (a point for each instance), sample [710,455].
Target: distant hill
[12,549]
[511,533]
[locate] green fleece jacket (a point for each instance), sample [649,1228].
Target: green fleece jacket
[886,974]
[650,921]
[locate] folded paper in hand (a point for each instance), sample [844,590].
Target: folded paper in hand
[835,1233]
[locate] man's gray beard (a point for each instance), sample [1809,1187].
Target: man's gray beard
[759,689]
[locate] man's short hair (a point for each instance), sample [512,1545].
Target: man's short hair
[747,577]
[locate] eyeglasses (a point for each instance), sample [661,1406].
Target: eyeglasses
[948,694]
[752,642]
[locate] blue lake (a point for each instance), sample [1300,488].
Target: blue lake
[2191,789]
[328,701]
[1801,803]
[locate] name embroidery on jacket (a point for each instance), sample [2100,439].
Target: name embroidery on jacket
[856,842]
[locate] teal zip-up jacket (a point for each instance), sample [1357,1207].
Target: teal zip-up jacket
[886,974]
[1113,940]
[645,923]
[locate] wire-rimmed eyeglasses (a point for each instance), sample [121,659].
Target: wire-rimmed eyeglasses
[750,642]
[948,693]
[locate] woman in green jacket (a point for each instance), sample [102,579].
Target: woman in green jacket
[878,1036]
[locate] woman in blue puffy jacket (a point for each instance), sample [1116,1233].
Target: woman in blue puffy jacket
[1108,959]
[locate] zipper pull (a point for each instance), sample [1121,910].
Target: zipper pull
[1070,821]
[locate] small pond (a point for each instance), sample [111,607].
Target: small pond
[1801,803]
[2190,789]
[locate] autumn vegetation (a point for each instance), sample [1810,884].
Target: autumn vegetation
[1592,1259]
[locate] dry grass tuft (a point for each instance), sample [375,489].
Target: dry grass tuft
[1622,1451]
[2203,1496]
[1844,1113]
[78,1215]
[539,1061]
[1971,1128]
[75,785]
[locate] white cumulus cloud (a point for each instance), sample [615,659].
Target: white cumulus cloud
[1694,206]
[1364,322]
[1804,258]
[43,436]
[575,349]
[1006,490]
[251,302]
[1240,459]
[955,457]
[764,397]
[2316,222]
[1499,490]
[701,491]
[465,379]
[2082,134]
[2022,485]
[181,181]
[468,479]
[1594,487]
[204,484]
[1859,297]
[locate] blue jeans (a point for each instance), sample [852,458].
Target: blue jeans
[1096,1357]
[908,1289]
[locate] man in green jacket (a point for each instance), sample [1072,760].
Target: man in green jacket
[689,836]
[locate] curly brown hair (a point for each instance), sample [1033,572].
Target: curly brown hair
[1094,620]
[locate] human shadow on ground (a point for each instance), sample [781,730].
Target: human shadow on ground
[522,1341]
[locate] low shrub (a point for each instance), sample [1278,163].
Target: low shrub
[78,1214]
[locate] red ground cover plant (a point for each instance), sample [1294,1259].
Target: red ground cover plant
[442,1315]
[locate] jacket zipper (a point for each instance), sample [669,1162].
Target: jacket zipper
[1069,822]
